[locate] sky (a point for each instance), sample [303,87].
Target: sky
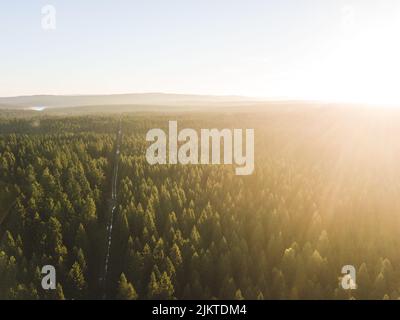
[333,50]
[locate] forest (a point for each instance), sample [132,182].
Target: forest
[325,193]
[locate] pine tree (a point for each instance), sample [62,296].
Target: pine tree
[153,287]
[126,291]
[166,289]
[77,282]
[238,295]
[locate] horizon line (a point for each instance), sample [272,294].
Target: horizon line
[244,98]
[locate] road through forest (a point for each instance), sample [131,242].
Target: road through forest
[113,206]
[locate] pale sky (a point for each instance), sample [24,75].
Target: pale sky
[295,49]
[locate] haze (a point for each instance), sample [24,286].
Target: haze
[290,49]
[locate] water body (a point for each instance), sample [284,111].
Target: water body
[37,108]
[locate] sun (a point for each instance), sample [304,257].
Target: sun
[361,65]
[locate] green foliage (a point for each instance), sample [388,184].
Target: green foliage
[195,232]
[125,290]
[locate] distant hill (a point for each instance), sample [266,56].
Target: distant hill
[60,101]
